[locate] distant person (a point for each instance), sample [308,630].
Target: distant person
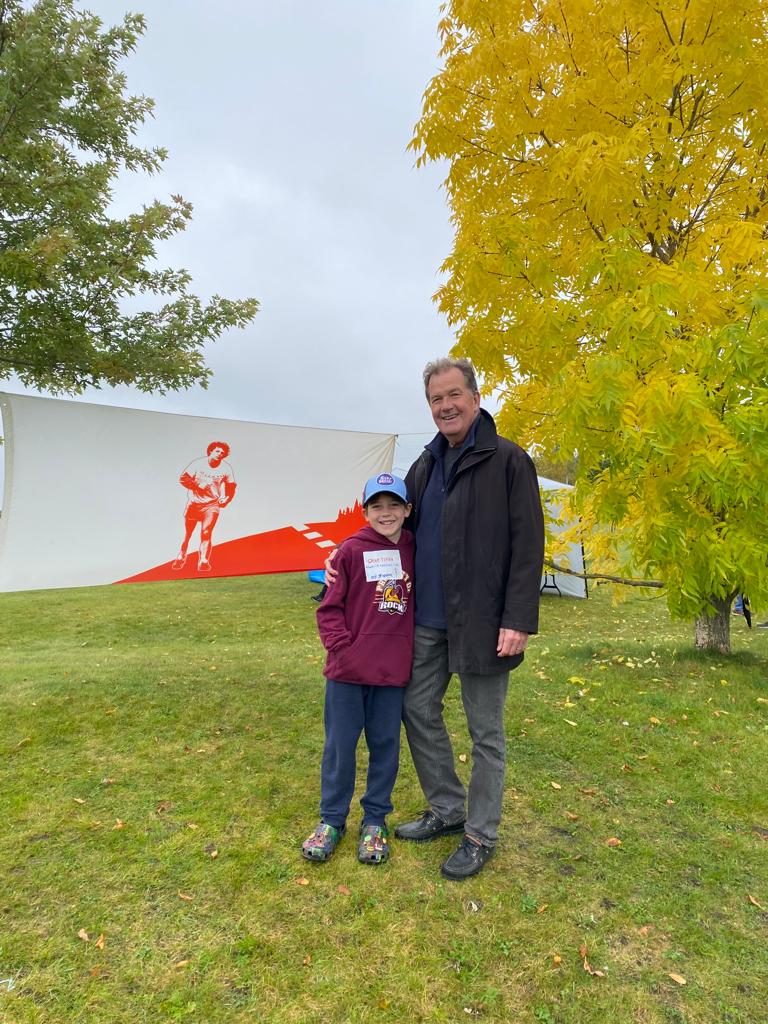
[742,607]
[211,485]
[366,624]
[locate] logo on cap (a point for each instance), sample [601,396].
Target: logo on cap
[384,483]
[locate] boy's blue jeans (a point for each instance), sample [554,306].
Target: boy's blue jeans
[350,709]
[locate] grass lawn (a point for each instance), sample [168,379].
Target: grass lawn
[160,747]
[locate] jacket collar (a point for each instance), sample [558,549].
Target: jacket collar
[482,435]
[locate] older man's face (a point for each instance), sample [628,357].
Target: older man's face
[453,405]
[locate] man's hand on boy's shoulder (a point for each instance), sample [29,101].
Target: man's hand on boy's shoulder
[331,574]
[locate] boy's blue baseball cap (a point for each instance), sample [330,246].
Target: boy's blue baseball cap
[385,483]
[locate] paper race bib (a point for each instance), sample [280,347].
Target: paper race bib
[382,565]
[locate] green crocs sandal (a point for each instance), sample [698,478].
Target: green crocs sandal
[321,844]
[373,847]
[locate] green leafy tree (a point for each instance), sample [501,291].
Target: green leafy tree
[607,181]
[555,468]
[67,267]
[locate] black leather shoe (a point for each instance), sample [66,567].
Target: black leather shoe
[428,826]
[468,860]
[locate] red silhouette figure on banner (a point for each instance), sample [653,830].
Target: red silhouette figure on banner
[211,485]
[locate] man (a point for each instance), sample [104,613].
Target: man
[211,485]
[479,551]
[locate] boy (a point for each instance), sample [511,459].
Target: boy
[366,625]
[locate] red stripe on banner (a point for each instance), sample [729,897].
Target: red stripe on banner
[284,550]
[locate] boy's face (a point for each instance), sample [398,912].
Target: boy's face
[386,514]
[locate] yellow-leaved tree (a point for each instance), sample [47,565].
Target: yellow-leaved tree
[607,182]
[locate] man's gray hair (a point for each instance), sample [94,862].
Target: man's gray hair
[444,364]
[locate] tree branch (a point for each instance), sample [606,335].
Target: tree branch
[666,27]
[656,584]
[492,152]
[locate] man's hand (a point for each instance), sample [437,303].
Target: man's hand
[511,641]
[330,572]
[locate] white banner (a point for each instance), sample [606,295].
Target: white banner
[98,494]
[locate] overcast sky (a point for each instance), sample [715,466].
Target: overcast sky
[287,124]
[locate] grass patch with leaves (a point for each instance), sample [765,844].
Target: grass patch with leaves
[160,751]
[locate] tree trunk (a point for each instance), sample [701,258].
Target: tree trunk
[713,632]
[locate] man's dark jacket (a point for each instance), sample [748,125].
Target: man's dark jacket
[493,546]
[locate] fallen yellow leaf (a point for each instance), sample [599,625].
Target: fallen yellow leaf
[185,896]
[83,934]
[555,785]
[613,841]
[571,816]
[590,969]
[100,942]
[181,964]
[542,908]
[654,720]
[78,799]
[678,979]
[302,881]
[754,903]
[463,758]
[118,825]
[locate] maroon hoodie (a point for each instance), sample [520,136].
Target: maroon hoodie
[367,625]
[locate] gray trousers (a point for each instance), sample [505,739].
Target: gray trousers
[483,697]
